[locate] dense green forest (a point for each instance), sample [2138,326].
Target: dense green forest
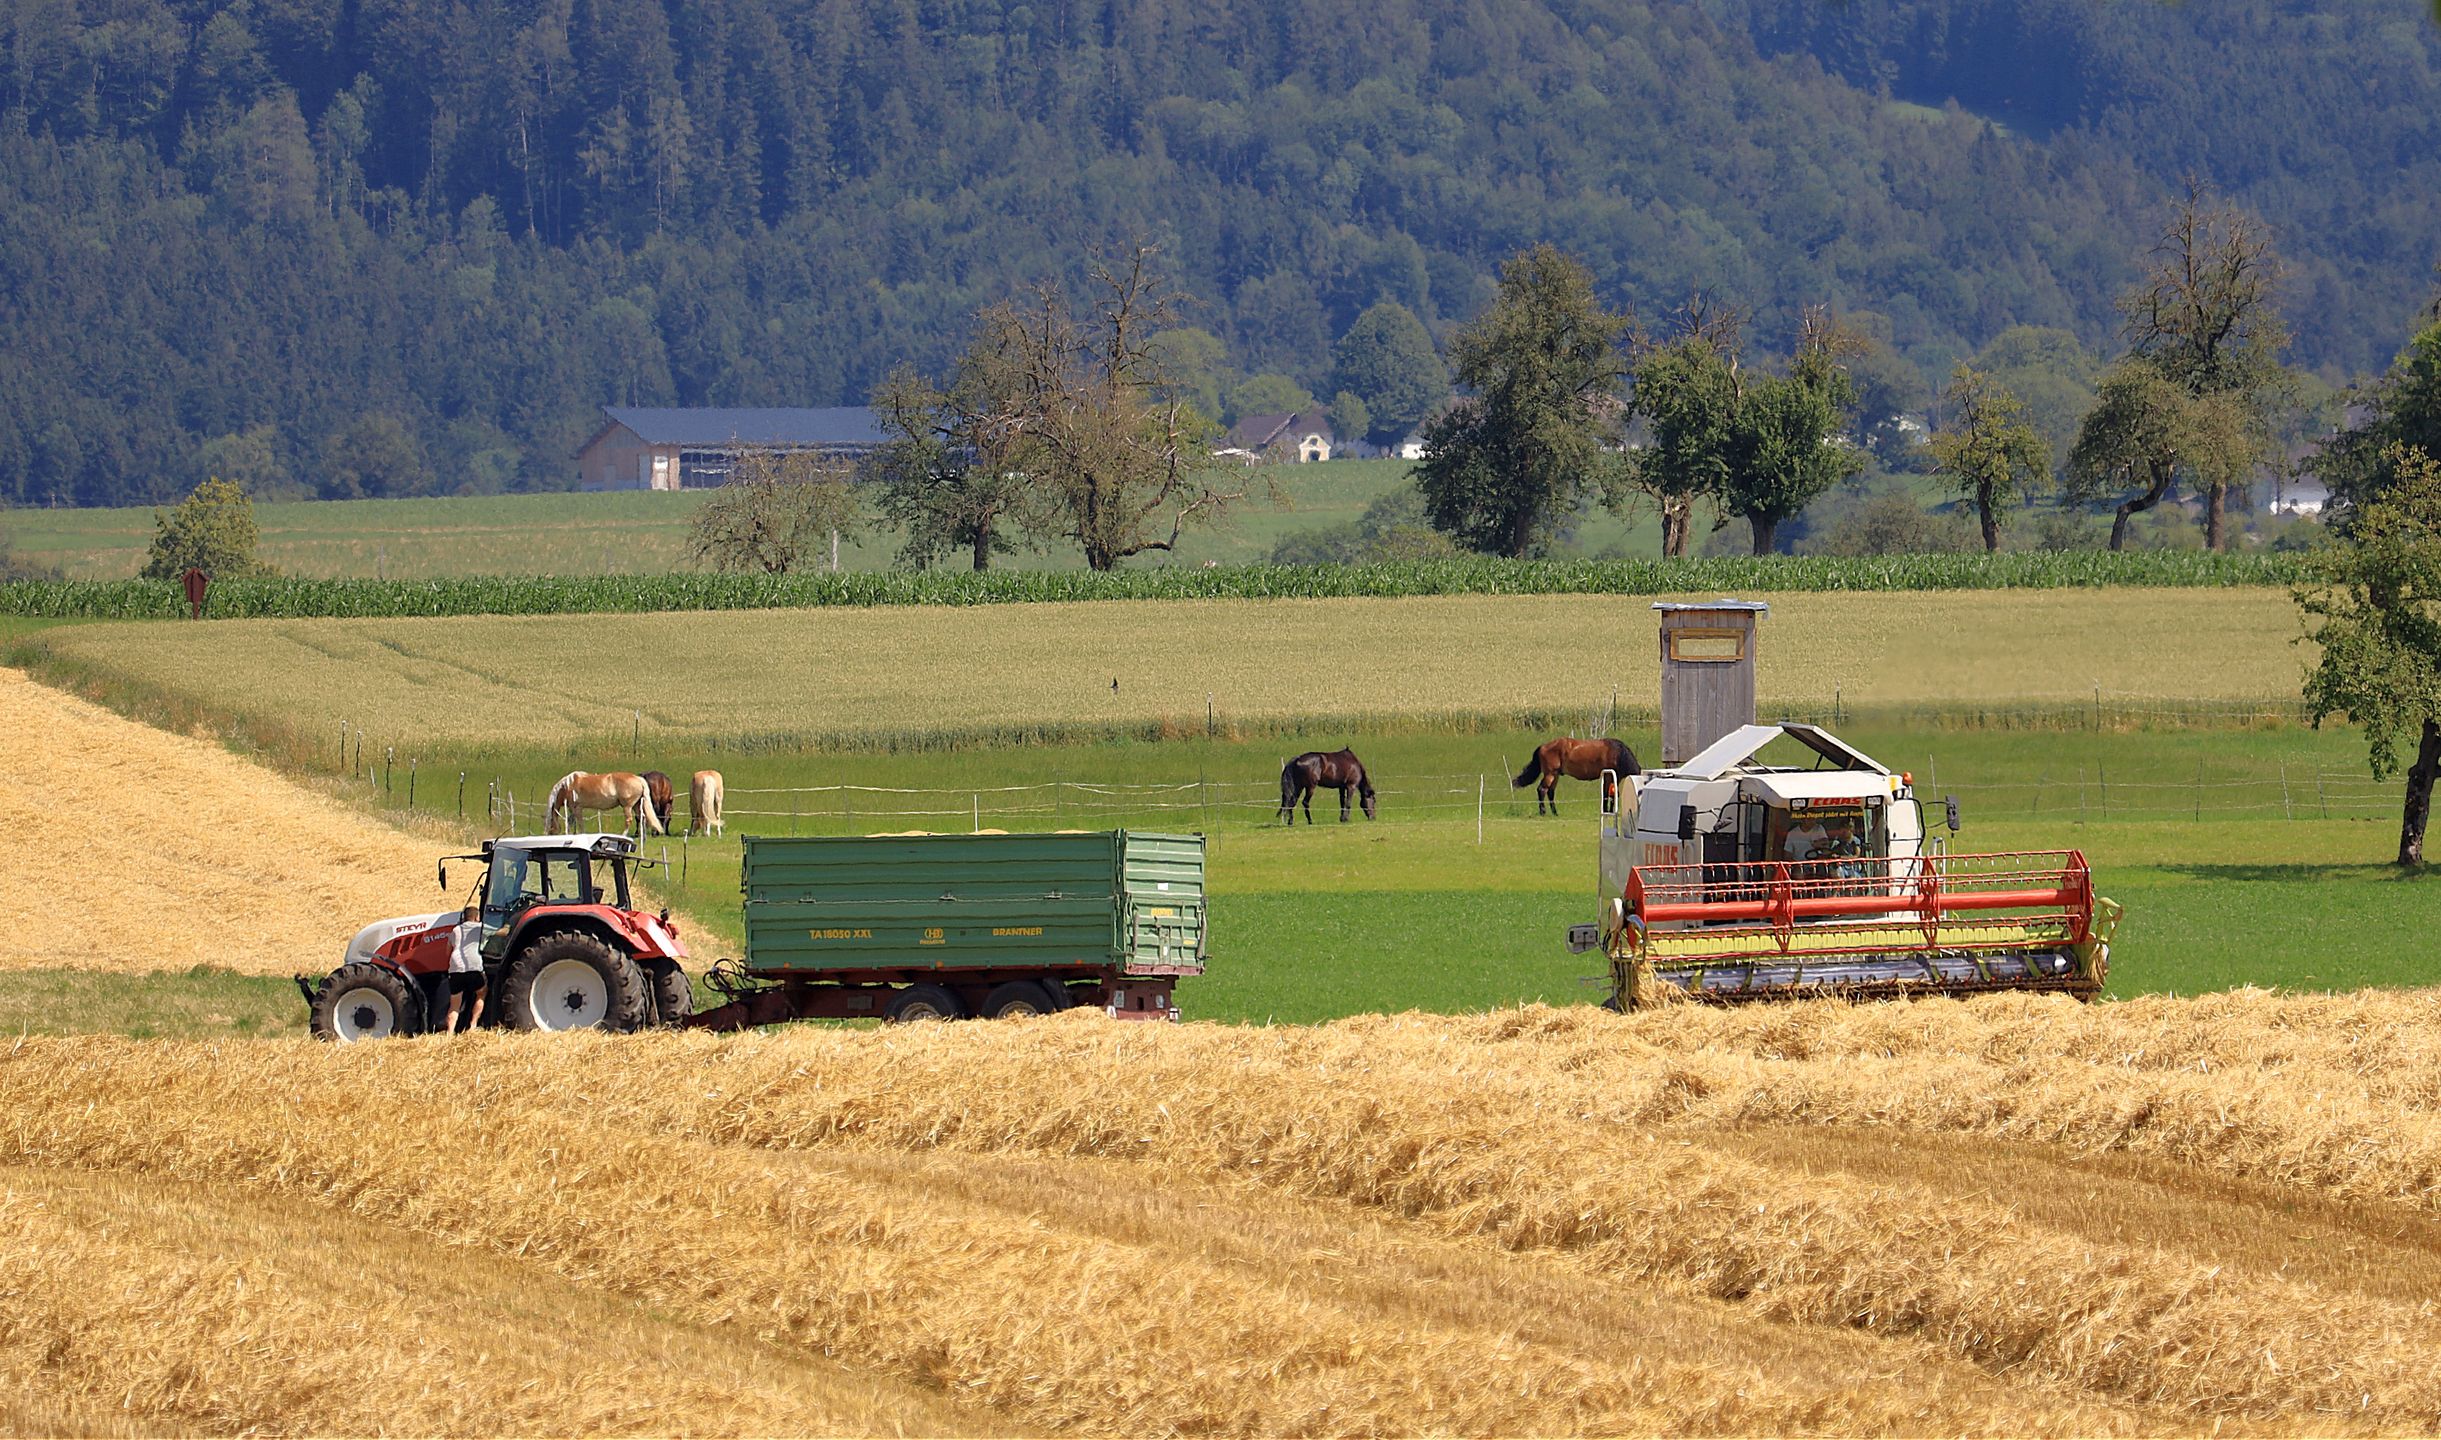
[344,247]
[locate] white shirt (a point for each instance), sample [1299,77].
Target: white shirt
[466,948]
[1805,840]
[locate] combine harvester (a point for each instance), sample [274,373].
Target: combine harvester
[1739,880]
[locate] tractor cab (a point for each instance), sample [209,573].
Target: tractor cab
[525,871]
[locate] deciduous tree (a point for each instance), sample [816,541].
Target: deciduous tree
[1387,360]
[775,514]
[952,479]
[1115,461]
[1787,442]
[2375,611]
[1521,452]
[1987,450]
[212,530]
[1688,392]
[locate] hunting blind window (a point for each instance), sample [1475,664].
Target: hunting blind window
[1708,647]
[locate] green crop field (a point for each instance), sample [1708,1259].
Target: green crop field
[926,675]
[625,532]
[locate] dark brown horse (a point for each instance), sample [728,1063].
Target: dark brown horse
[1313,770]
[1576,759]
[657,788]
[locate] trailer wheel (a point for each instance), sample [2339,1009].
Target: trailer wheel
[568,980]
[1017,997]
[922,1002]
[364,1002]
[672,993]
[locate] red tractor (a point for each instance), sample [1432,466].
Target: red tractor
[562,948]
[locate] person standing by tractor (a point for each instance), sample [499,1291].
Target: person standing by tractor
[465,979]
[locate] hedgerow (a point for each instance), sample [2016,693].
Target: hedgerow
[545,595]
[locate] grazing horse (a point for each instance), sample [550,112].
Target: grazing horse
[1576,759]
[615,790]
[657,785]
[704,805]
[1340,771]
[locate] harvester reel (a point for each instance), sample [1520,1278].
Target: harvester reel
[364,1002]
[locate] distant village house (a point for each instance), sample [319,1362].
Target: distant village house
[1303,438]
[649,448]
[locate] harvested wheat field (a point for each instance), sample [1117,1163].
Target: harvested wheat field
[2009,1216]
[158,852]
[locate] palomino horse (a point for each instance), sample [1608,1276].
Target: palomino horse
[616,790]
[1576,759]
[1340,771]
[657,785]
[705,805]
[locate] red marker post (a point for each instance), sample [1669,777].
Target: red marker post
[195,582]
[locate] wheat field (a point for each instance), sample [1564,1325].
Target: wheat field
[2013,1216]
[161,852]
[549,679]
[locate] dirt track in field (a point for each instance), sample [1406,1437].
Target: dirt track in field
[2013,1216]
[144,851]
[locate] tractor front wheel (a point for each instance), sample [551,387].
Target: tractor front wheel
[570,980]
[365,1002]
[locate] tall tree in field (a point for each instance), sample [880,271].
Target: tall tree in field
[2143,433]
[1987,449]
[775,514]
[1517,456]
[1787,444]
[2377,596]
[1688,390]
[2203,323]
[211,530]
[1115,459]
[1387,361]
[951,478]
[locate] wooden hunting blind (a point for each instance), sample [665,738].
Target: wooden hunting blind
[1707,672]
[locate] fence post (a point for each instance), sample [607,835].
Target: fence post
[461,794]
[343,746]
[2322,797]
[635,733]
[412,762]
[2286,812]
[978,804]
[1478,809]
[2199,791]
[2097,706]
[389,757]
[1207,714]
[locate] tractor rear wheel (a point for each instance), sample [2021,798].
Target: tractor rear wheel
[922,1002]
[569,980]
[365,1002]
[672,993]
[1016,997]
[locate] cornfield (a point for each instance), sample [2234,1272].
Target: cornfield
[605,594]
[2009,1216]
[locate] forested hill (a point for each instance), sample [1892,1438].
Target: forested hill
[387,246]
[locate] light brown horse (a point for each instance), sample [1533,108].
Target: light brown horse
[1576,759]
[705,805]
[613,790]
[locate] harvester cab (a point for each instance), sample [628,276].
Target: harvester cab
[1732,877]
[562,948]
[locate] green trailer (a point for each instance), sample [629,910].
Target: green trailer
[910,927]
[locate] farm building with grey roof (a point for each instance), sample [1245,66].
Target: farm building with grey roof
[672,448]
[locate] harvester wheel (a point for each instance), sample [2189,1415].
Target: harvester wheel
[1017,997]
[569,980]
[673,994]
[922,1002]
[365,1002]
